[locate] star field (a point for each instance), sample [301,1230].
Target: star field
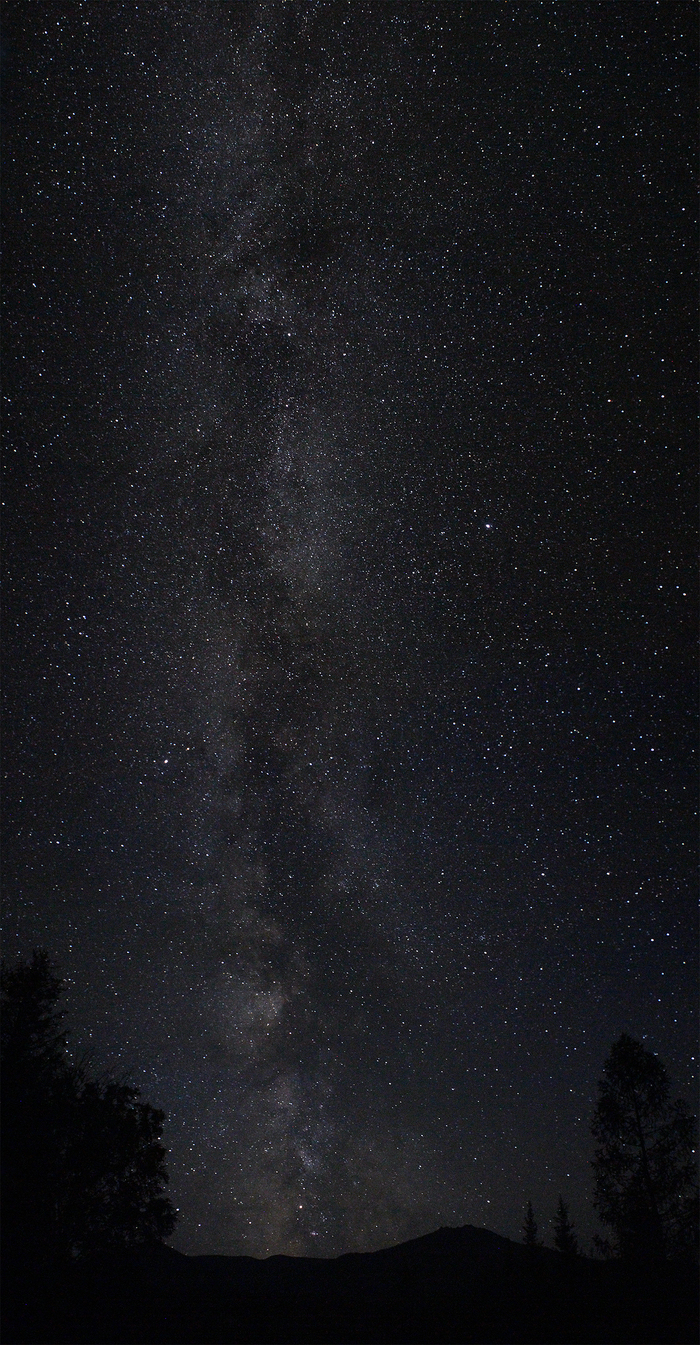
[350,407]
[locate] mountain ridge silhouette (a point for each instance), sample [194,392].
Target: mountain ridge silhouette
[465,1284]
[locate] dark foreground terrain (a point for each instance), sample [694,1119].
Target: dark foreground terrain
[458,1284]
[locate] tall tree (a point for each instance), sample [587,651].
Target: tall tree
[646,1189]
[36,1096]
[82,1162]
[530,1227]
[565,1239]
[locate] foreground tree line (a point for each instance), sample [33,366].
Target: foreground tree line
[83,1166]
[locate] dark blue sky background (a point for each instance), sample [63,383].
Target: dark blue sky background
[350,434]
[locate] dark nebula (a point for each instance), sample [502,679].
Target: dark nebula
[349,677]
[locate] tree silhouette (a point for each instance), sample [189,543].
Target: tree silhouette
[646,1188]
[565,1239]
[530,1227]
[82,1163]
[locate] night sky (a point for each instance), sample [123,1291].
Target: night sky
[349,508]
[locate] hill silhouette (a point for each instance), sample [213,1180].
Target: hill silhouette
[453,1285]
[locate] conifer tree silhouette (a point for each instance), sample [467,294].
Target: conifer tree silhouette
[530,1227]
[565,1239]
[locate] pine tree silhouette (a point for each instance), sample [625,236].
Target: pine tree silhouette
[565,1239]
[530,1228]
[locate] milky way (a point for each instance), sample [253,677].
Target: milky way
[348,685]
